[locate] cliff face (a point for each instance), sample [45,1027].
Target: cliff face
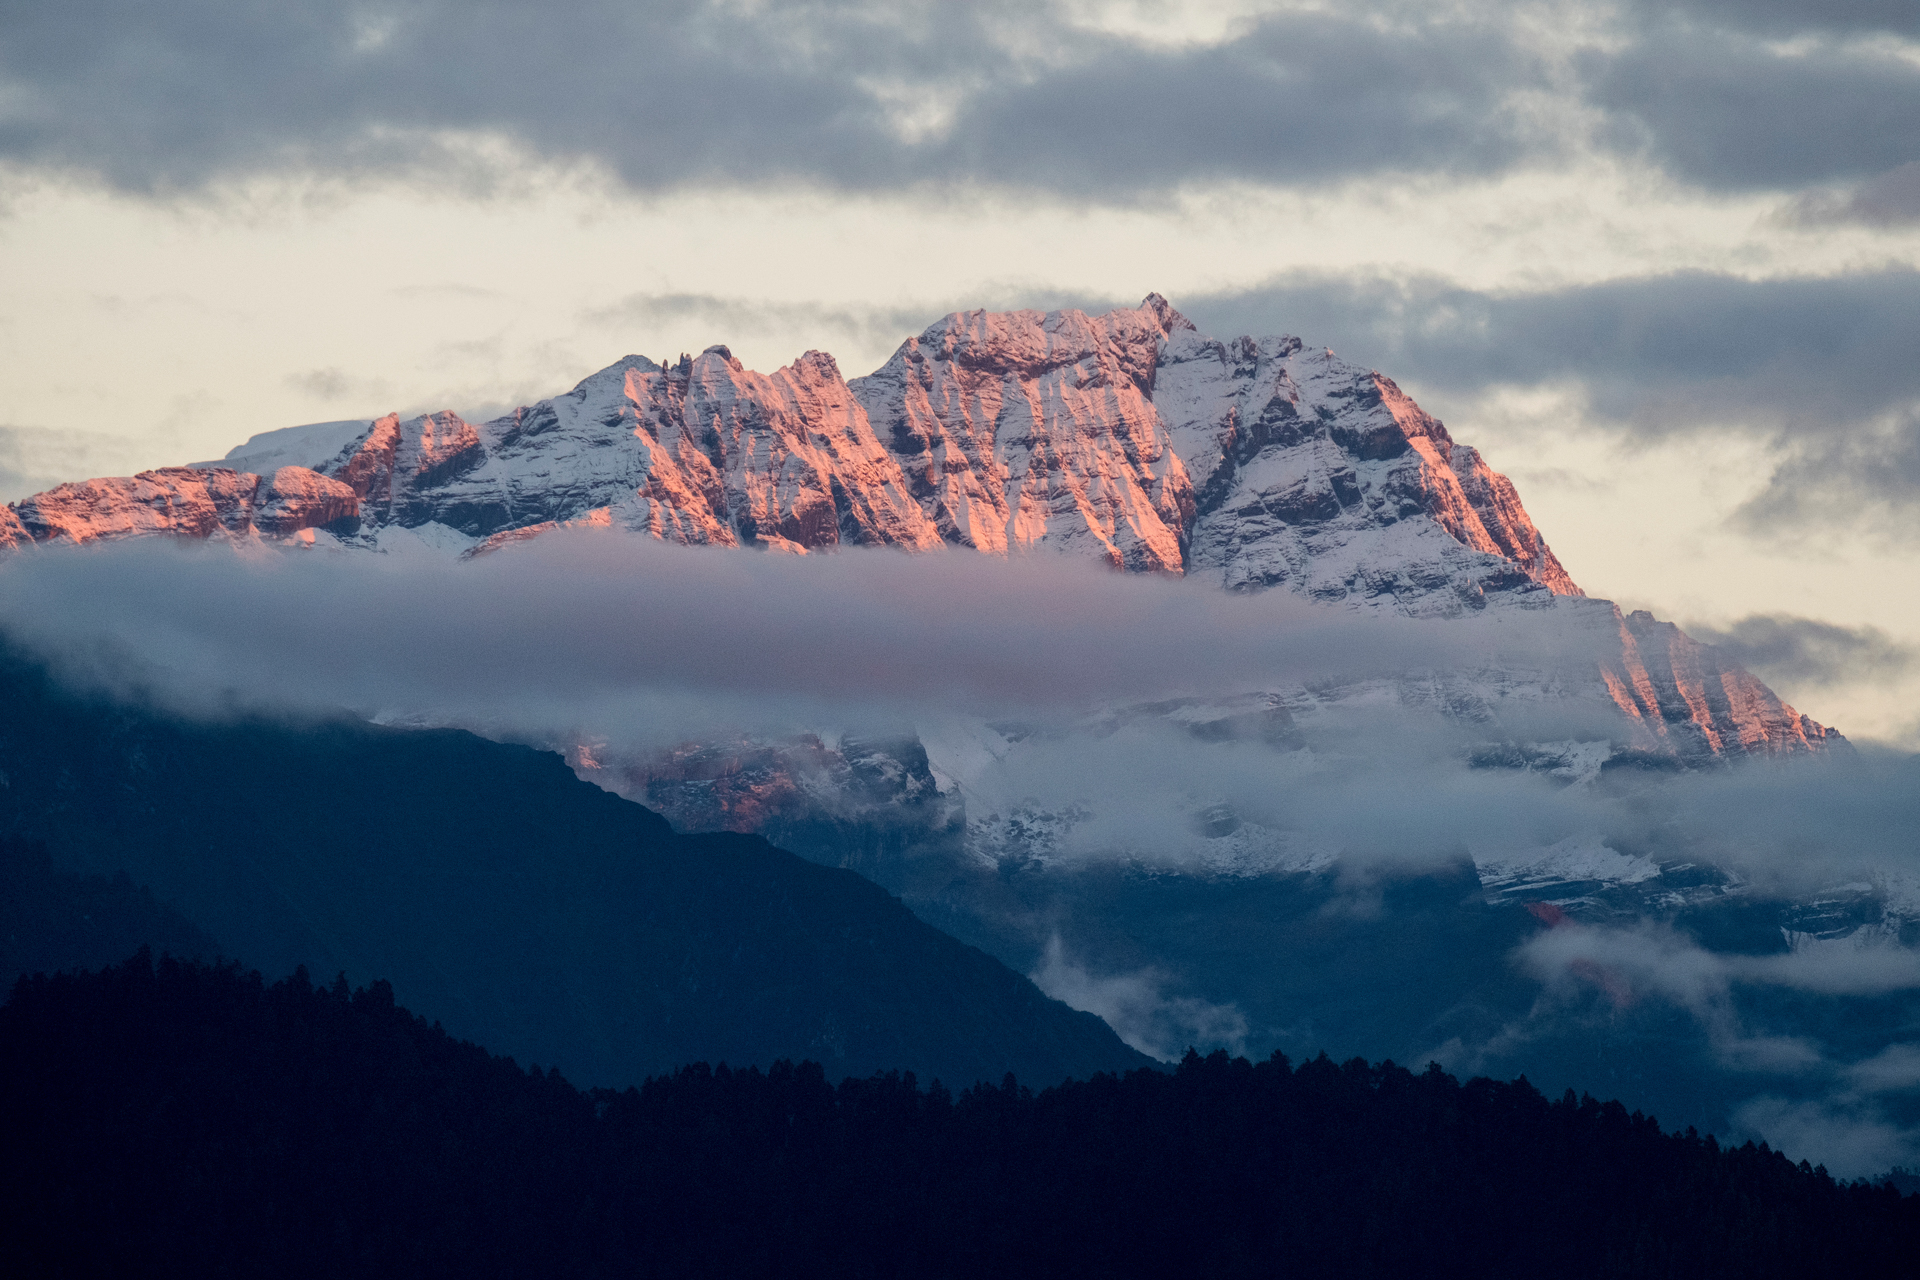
[1687,695]
[1130,439]
[184,502]
[1018,430]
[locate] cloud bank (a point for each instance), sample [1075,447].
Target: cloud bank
[1070,100]
[652,646]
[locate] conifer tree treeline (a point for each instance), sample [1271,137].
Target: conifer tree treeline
[170,1118]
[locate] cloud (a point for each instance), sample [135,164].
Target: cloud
[1667,354]
[597,634]
[1869,477]
[1850,1141]
[816,323]
[1806,651]
[1737,112]
[1894,1069]
[1136,1006]
[577,616]
[331,385]
[661,95]
[1793,17]
[1890,200]
[1084,102]
[1036,670]
[1654,961]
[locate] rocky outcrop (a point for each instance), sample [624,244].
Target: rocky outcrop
[1323,477]
[1021,429]
[1691,698]
[13,534]
[186,502]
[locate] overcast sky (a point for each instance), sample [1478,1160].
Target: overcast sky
[1660,261]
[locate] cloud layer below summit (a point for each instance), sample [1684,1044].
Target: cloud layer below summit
[638,644]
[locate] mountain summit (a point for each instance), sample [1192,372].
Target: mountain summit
[1129,438]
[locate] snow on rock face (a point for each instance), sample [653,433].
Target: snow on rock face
[1326,478]
[703,452]
[310,445]
[1021,429]
[1128,438]
[186,502]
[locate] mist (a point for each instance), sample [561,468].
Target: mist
[1053,676]
[1055,696]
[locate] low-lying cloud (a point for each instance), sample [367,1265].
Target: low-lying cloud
[1113,723]
[1138,1008]
[1158,697]
[576,617]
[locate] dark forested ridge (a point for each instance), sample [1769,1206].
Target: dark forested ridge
[189,1119]
[518,905]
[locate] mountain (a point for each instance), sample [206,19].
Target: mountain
[53,919]
[515,903]
[1128,438]
[1363,865]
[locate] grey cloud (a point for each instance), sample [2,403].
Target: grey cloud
[163,99]
[1138,1008]
[1658,354]
[332,384]
[1852,1141]
[861,96]
[619,613]
[748,317]
[1894,1069]
[1889,200]
[1869,477]
[1784,648]
[600,633]
[1740,113]
[646,646]
[1792,17]
[1296,98]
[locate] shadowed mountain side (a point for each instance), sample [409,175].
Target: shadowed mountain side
[52,920]
[515,903]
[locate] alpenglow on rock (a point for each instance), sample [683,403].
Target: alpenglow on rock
[1129,438]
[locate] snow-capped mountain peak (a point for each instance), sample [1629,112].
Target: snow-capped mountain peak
[1129,438]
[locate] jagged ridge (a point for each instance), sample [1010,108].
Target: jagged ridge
[1129,438]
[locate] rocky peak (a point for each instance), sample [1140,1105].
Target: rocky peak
[182,502]
[1130,438]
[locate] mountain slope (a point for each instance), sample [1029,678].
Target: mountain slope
[514,902]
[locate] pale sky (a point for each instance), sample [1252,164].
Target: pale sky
[1660,262]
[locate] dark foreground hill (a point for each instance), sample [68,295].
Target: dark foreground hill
[514,903]
[187,1119]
